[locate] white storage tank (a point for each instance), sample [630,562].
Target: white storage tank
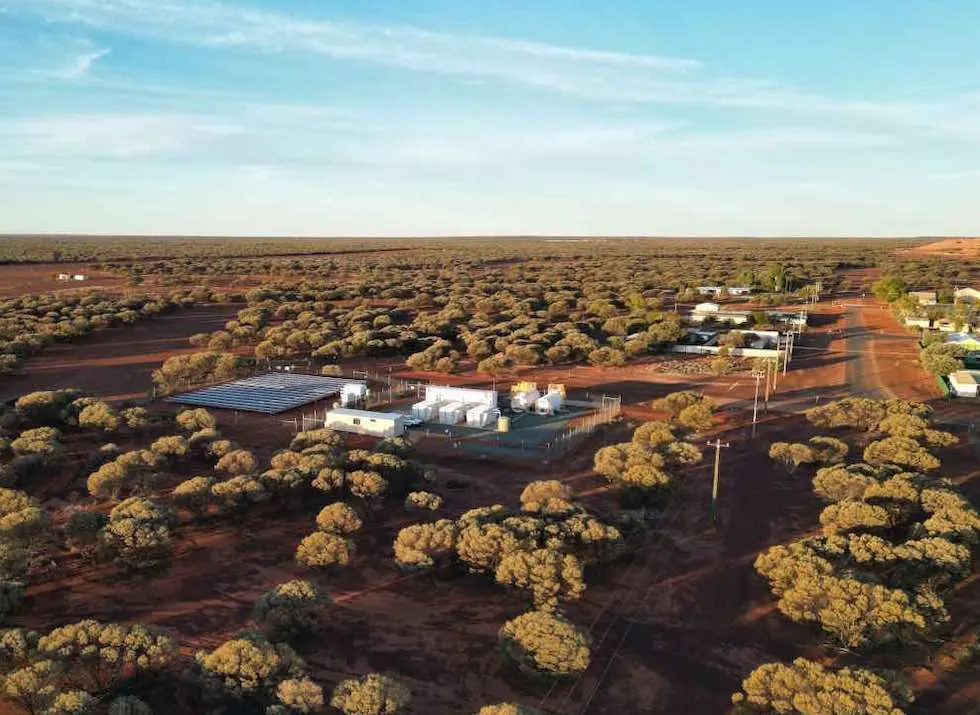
[548,404]
[524,401]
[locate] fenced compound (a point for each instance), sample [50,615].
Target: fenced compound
[531,437]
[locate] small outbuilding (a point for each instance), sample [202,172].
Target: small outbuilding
[963,383]
[707,308]
[374,424]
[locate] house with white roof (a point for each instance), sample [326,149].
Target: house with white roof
[964,383]
[966,295]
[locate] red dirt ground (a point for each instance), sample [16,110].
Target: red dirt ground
[18,279]
[116,362]
[675,628]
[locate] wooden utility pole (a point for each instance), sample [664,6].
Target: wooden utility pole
[758,375]
[788,349]
[717,444]
[768,364]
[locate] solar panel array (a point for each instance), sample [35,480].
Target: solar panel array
[269,394]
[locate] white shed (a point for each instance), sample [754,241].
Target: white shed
[452,413]
[963,383]
[375,424]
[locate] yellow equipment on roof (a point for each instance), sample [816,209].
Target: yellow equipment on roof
[523,386]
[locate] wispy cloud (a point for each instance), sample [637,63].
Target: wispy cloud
[99,136]
[79,65]
[587,74]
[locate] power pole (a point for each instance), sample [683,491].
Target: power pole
[717,444]
[788,348]
[758,375]
[768,365]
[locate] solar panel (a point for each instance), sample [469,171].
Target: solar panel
[269,394]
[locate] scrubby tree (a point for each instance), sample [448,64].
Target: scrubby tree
[675,402]
[848,516]
[293,608]
[238,492]
[300,695]
[548,575]
[46,407]
[809,688]
[171,448]
[194,494]
[137,419]
[338,518]
[372,694]
[902,451]
[547,497]
[481,546]
[98,654]
[541,643]
[195,419]
[82,529]
[423,546]
[857,412]
[237,462]
[828,450]
[324,550]
[99,415]
[138,534]
[423,500]
[696,417]
[41,441]
[791,455]
[942,358]
[21,518]
[321,437]
[72,702]
[250,667]
[508,709]
[369,486]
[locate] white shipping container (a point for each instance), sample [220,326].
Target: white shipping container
[465,395]
[480,415]
[452,413]
[427,410]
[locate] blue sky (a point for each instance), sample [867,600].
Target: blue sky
[418,117]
